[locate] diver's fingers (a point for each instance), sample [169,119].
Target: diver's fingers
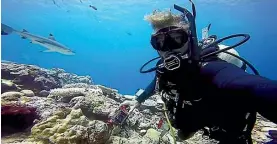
[273,134]
[270,133]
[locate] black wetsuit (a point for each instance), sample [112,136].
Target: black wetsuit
[223,97]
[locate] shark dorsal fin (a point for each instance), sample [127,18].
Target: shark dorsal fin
[24,30]
[51,37]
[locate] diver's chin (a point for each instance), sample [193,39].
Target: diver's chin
[164,55]
[169,54]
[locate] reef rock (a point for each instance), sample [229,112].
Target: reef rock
[28,76]
[16,117]
[44,93]
[28,93]
[94,104]
[45,106]
[7,85]
[67,78]
[37,79]
[152,136]
[80,85]
[70,127]
[11,96]
[107,91]
[65,95]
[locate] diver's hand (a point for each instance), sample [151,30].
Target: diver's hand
[270,133]
[273,135]
[131,103]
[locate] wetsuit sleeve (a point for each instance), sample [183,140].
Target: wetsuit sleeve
[260,92]
[149,91]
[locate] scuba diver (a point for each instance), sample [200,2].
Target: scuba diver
[202,91]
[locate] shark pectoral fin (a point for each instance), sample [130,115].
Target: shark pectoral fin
[51,37]
[23,37]
[33,42]
[24,30]
[48,51]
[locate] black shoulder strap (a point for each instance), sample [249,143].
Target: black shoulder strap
[244,66]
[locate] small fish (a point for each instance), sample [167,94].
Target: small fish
[128,33]
[54,2]
[93,7]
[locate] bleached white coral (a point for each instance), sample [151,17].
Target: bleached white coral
[66,94]
[79,85]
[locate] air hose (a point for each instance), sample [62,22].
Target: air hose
[172,133]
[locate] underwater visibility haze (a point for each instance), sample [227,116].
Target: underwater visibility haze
[111,40]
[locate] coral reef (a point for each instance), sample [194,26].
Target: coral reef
[73,110]
[65,95]
[7,85]
[45,106]
[44,93]
[35,78]
[29,77]
[67,78]
[10,96]
[70,127]
[16,118]
[28,93]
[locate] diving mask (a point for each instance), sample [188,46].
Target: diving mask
[169,38]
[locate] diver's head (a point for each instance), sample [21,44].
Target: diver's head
[171,33]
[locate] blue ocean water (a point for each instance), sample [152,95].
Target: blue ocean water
[113,42]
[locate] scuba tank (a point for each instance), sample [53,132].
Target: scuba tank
[208,39]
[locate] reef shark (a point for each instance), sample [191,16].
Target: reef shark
[50,43]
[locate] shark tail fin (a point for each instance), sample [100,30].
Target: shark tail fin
[6,30]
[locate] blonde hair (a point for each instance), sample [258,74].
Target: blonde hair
[160,19]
